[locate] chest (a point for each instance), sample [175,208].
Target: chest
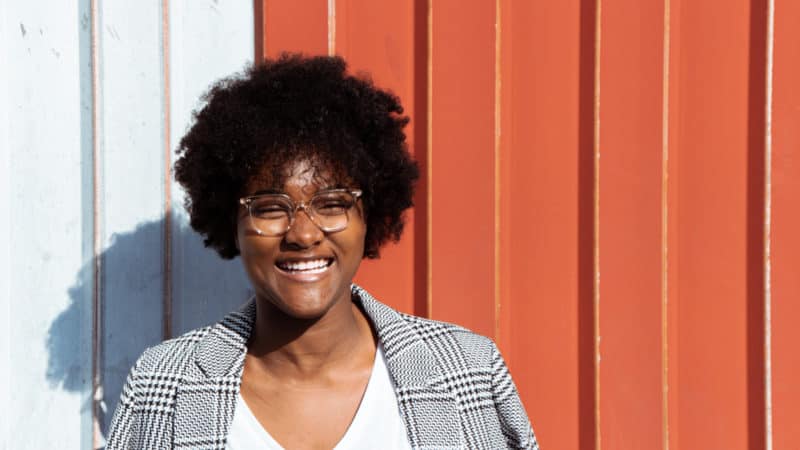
[307,416]
[361,412]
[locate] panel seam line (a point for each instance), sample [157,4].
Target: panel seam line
[167,263]
[596,250]
[331,27]
[664,228]
[767,226]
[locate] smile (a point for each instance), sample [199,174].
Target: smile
[311,266]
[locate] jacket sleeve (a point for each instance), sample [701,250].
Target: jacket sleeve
[514,421]
[121,431]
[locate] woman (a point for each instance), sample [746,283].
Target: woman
[303,170]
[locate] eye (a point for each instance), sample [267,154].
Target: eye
[330,208]
[332,204]
[269,209]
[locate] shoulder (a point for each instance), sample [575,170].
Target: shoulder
[451,345]
[174,356]
[444,338]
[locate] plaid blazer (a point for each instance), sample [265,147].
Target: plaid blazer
[452,386]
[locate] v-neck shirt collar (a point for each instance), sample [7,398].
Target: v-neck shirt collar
[376,424]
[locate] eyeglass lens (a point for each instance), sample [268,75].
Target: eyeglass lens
[272,214]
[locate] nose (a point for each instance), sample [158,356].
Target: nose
[303,233]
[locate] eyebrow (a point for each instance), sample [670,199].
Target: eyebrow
[321,188]
[268,191]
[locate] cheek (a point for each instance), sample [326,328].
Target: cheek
[358,240]
[255,252]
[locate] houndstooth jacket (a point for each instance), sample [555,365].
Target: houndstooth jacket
[452,386]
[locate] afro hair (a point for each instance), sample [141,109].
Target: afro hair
[288,109]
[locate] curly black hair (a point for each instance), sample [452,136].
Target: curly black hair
[288,109]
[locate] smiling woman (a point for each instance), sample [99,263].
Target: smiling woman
[302,170]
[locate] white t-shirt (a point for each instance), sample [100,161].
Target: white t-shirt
[377,423]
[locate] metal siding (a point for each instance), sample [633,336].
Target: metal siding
[132,189]
[715,233]
[379,38]
[785,241]
[542,214]
[208,40]
[507,105]
[461,166]
[5,225]
[631,71]
[49,237]
[295,26]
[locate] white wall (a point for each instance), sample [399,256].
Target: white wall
[49,145]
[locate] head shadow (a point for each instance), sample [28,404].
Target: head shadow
[136,280]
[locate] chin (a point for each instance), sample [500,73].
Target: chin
[308,305]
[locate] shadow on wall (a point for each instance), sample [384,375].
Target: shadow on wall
[204,287]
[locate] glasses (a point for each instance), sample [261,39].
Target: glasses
[273,214]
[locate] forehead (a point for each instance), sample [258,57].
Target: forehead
[303,174]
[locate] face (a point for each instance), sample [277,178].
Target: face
[305,272]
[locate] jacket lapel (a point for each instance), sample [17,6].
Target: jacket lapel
[204,406]
[429,409]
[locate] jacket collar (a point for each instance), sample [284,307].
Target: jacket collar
[221,352]
[211,398]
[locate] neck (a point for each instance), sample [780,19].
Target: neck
[300,348]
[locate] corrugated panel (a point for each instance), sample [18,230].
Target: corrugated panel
[631,244]
[546,214]
[131,190]
[784,217]
[208,40]
[461,165]
[379,38]
[619,149]
[719,152]
[49,211]
[609,190]
[93,102]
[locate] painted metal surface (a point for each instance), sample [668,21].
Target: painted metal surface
[81,238]
[461,166]
[379,38]
[131,189]
[5,225]
[208,40]
[629,294]
[621,148]
[49,220]
[719,207]
[631,212]
[785,220]
[546,124]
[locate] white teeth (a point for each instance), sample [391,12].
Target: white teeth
[314,265]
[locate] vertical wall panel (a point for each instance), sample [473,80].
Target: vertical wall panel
[131,79]
[208,40]
[5,225]
[714,279]
[504,126]
[295,26]
[379,38]
[785,245]
[462,165]
[49,309]
[673,114]
[543,131]
[631,76]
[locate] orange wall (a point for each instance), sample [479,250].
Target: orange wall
[637,164]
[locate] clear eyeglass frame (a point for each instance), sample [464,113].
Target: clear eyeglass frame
[320,220]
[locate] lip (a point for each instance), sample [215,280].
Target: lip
[306,276]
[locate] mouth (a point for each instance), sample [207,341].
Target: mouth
[304,266]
